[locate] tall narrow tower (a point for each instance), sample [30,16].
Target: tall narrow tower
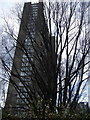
[21,76]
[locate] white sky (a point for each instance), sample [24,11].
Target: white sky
[6,5]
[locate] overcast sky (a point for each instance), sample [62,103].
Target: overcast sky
[6,5]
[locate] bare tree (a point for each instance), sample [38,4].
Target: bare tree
[57,65]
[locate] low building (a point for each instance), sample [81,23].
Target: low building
[82,106]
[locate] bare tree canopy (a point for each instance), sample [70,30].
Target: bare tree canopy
[57,57]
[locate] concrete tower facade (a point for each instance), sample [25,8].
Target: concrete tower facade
[32,22]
